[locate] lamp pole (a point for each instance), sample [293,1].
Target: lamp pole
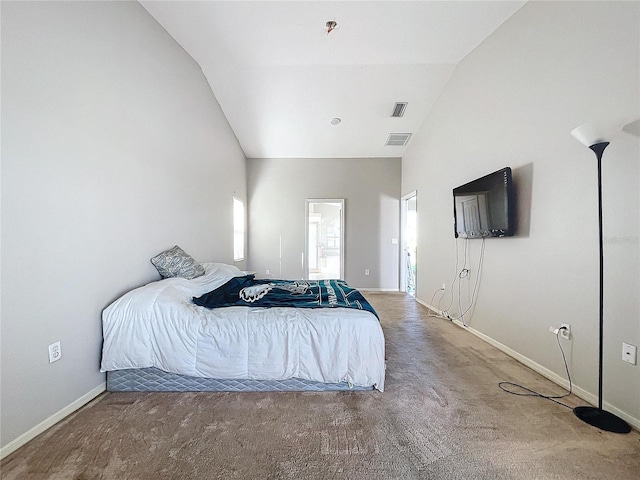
[591,415]
[598,149]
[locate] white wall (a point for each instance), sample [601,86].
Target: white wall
[513,102]
[278,189]
[114,148]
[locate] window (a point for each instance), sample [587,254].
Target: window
[238,229]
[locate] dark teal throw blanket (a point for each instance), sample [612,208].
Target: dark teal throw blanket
[249,292]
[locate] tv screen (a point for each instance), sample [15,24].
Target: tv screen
[485,207]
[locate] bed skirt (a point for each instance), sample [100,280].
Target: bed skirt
[156,380]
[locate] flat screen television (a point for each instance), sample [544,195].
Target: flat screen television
[485,207]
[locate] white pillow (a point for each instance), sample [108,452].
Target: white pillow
[215,275]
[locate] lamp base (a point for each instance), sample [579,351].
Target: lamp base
[602,419]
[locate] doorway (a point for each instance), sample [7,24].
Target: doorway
[409,229]
[324,239]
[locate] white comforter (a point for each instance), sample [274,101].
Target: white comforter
[157,325]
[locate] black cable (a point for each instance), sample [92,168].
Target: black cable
[533,393]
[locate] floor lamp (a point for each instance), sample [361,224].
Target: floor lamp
[590,137]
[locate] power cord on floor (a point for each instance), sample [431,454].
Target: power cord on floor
[533,393]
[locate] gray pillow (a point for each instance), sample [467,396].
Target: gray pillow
[176,263]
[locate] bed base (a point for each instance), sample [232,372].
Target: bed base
[156,380]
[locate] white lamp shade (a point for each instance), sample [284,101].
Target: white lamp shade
[632,128]
[589,134]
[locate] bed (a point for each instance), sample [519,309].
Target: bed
[157,339]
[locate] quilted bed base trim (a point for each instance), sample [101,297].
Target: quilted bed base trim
[156,380]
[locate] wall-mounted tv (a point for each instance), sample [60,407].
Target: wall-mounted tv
[485,207]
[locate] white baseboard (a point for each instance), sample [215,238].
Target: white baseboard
[51,421]
[554,377]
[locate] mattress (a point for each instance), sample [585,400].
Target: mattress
[155,380]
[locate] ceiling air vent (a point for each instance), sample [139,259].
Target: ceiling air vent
[398,139]
[398,110]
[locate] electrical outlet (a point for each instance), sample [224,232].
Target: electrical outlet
[55,352]
[267,271]
[444,286]
[629,353]
[566,334]
[366,272]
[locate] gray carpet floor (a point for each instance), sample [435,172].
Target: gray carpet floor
[442,416]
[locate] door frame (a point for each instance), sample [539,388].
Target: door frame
[404,202]
[305,260]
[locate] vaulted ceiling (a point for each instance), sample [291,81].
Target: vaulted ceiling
[281,77]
